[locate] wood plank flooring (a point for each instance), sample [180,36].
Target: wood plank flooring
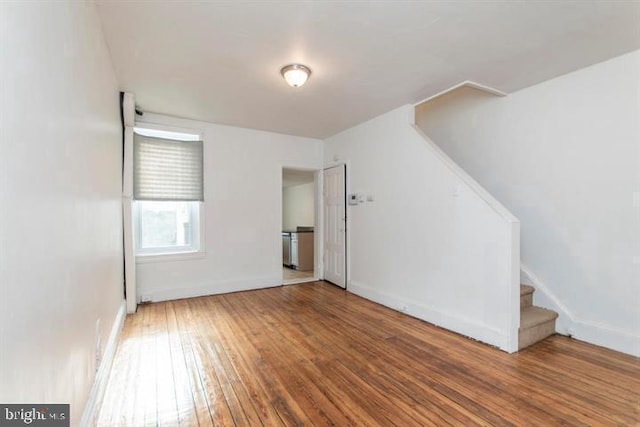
[314,354]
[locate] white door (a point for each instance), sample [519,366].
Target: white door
[335,222]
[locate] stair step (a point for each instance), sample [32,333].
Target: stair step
[533,316]
[526,296]
[536,324]
[526,289]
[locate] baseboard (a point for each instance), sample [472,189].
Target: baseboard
[605,336]
[212,288]
[451,321]
[584,330]
[102,375]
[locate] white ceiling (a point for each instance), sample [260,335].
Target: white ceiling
[219,61]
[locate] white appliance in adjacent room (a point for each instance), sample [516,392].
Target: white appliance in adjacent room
[286,248]
[297,249]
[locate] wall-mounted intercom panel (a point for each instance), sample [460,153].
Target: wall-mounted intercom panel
[355,199]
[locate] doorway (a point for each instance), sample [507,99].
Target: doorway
[299,213]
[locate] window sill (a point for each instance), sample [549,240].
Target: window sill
[167,257]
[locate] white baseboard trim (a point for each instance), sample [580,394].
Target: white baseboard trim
[212,288]
[584,330]
[451,321]
[102,375]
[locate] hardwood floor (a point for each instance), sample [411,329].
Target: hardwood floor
[314,354]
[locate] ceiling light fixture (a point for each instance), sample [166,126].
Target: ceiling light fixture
[295,74]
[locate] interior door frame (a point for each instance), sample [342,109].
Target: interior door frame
[318,248]
[347,234]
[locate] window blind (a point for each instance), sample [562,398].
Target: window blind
[166,169]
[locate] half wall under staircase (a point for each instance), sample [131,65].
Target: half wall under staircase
[535,323]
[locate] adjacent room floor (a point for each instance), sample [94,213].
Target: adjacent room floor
[289,274]
[314,354]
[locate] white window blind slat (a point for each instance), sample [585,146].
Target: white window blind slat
[165,169]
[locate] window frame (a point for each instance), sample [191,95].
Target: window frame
[196,210]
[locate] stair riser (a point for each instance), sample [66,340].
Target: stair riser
[526,301]
[536,333]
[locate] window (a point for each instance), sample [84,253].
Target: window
[168,192]
[167,227]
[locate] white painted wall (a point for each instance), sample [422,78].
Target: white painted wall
[564,156]
[432,243]
[242,212]
[60,206]
[298,206]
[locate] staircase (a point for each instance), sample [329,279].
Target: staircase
[536,323]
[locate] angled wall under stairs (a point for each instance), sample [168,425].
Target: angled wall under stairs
[540,151]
